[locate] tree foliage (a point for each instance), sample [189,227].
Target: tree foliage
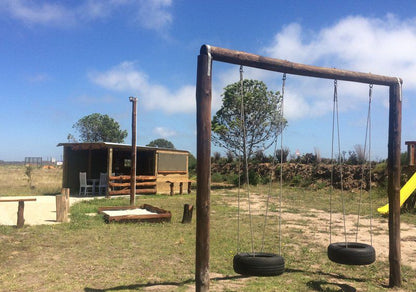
[161,143]
[262,119]
[99,128]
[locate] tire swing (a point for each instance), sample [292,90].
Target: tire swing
[257,263]
[351,253]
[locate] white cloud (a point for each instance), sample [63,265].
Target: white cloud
[126,78]
[150,14]
[39,13]
[155,14]
[164,132]
[382,46]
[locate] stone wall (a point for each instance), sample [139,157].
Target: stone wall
[314,175]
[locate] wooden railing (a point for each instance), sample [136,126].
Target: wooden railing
[120,185]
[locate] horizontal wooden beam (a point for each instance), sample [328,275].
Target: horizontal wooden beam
[127,184]
[277,65]
[172,172]
[18,200]
[138,178]
[127,192]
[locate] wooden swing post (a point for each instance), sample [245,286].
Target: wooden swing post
[203,168]
[203,103]
[393,186]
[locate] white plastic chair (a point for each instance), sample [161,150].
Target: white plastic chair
[83,186]
[103,183]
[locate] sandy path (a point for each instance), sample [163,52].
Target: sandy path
[42,211]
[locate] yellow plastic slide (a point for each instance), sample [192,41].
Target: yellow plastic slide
[405,193]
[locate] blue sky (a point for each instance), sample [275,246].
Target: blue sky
[62,60]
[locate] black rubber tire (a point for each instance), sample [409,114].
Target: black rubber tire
[258,264]
[351,253]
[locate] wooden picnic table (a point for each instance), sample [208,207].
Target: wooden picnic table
[20,209]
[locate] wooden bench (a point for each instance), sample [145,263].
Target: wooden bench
[172,186]
[20,209]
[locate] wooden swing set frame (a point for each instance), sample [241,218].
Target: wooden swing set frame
[203,116]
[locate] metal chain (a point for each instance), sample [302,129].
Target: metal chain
[367,138]
[281,163]
[239,166]
[332,163]
[370,93]
[340,161]
[280,116]
[245,156]
[335,120]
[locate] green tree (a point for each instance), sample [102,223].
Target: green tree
[161,143]
[99,128]
[262,119]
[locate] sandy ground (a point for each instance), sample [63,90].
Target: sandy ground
[314,225]
[42,211]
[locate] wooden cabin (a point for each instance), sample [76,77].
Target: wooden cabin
[160,165]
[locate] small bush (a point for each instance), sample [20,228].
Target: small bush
[254,177]
[232,178]
[380,167]
[296,180]
[217,177]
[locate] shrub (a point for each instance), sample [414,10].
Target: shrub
[29,174]
[254,177]
[232,178]
[217,177]
[296,180]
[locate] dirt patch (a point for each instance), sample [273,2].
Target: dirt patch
[315,226]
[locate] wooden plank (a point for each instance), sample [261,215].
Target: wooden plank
[139,184]
[18,200]
[138,178]
[172,172]
[127,192]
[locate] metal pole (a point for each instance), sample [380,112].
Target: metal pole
[133,152]
[394,172]
[203,120]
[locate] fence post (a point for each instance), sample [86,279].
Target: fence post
[61,208]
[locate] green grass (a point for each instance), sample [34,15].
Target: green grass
[89,255]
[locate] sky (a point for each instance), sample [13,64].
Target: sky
[63,60]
